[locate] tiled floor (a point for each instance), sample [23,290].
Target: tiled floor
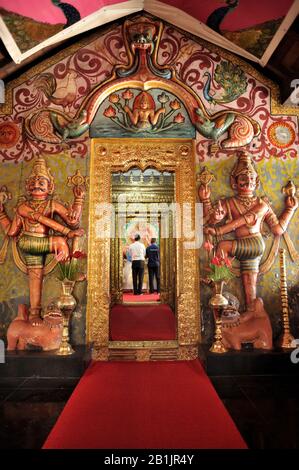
[264,408]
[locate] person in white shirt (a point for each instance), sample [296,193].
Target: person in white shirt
[137,253]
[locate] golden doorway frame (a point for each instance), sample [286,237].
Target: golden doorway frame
[112,155]
[153,192]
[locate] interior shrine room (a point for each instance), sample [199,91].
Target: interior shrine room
[149,254]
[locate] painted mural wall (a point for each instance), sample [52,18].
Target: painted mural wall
[221,81]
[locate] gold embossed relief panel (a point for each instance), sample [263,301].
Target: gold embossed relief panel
[110,156]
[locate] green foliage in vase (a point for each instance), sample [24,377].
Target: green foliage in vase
[69,267]
[219,266]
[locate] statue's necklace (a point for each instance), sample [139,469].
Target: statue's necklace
[36,205]
[246,201]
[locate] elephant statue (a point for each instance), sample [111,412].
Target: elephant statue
[47,334]
[252,327]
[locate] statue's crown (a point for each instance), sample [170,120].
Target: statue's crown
[243,165]
[40,169]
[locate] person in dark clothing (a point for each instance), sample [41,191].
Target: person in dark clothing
[153,256]
[137,254]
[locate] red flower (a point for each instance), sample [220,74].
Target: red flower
[68,267]
[228,261]
[174,105]
[127,95]
[79,254]
[216,260]
[110,112]
[114,98]
[179,118]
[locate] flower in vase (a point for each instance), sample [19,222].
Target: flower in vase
[219,266]
[69,267]
[219,269]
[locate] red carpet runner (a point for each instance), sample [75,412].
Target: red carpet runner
[142,322]
[129,297]
[144,405]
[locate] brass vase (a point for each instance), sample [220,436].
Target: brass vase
[67,304]
[218,301]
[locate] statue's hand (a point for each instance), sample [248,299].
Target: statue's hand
[209,231]
[219,212]
[74,214]
[4,196]
[291,202]
[61,256]
[79,191]
[76,233]
[204,192]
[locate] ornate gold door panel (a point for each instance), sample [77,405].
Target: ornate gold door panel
[109,156]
